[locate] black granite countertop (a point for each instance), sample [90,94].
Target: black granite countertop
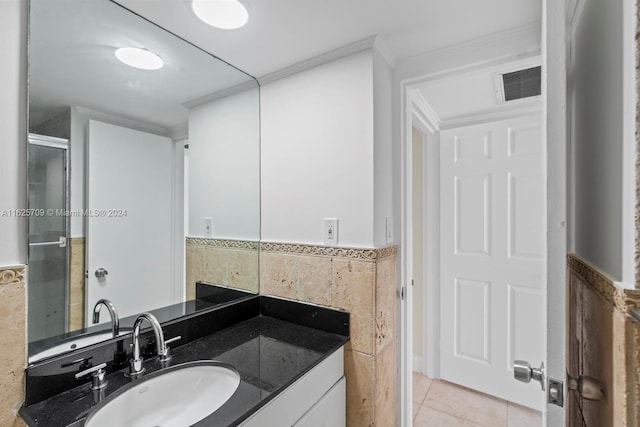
[269,353]
[208,296]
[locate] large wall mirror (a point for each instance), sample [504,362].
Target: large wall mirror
[143,177]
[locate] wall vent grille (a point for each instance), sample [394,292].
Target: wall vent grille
[522,84]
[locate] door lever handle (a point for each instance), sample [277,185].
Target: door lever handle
[522,371]
[588,387]
[101,272]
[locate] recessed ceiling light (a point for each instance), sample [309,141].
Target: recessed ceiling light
[139,58]
[225,14]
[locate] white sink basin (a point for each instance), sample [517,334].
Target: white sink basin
[178,396]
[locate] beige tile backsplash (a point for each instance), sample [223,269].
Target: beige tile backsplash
[228,263]
[76,283]
[360,281]
[363,282]
[603,344]
[13,343]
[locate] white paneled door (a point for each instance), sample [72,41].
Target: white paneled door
[493,286]
[129,233]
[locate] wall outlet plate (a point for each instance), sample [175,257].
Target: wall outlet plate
[330,231]
[208,227]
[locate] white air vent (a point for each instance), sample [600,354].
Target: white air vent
[518,84]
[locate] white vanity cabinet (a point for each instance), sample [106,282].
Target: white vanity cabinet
[329,411]
[318,399]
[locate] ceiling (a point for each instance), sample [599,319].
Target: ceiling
[69,70]
[281,33]
[66,69]
[455,99]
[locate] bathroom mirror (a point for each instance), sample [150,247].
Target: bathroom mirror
[143,177]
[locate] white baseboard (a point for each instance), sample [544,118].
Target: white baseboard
[418,363]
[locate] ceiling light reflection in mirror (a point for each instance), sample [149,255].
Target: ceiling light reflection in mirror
[139,58]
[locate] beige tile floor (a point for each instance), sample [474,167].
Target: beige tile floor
[437,403]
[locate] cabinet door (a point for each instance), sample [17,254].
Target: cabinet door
[330,411]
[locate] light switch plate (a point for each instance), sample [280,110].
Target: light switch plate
[389,230]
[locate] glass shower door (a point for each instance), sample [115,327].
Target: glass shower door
[48,231]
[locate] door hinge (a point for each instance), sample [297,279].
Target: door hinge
[402,293]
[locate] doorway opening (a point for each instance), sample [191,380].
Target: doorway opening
[477,254]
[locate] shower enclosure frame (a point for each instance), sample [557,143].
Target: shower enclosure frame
[64,241]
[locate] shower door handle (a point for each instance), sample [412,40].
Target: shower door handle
[61,242]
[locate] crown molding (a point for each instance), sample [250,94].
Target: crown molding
[384,50]
[332,55]
[425,112]
[202,100]
[122,121]
[511,45]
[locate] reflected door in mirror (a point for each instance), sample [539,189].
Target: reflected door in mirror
[130,219]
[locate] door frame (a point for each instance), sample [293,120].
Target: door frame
[424,120]
[553,45]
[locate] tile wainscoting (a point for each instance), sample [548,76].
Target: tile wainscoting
[604,343]
[76,283]
[363,282]
[228,263]
[13,343]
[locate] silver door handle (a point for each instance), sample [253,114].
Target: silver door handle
[101,272]
[522,371]
[588,387]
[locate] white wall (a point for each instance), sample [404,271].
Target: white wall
[603,136]
[13,162]
[80,118]
[77,154]
[383,150]
[318,153]
[224,167]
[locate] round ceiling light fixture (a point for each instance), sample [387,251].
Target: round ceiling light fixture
[139,58]
[225,14]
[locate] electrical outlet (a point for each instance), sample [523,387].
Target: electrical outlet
[208,227]
[389,230]
[331,231]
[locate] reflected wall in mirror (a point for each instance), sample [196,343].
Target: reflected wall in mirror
[141,182]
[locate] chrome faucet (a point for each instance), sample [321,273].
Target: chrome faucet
[115,321]
[136,368]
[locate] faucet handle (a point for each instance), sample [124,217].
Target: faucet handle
[166,356]
[174,339]
[98,376]
[84,363]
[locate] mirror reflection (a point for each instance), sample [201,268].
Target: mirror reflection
[143,175]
